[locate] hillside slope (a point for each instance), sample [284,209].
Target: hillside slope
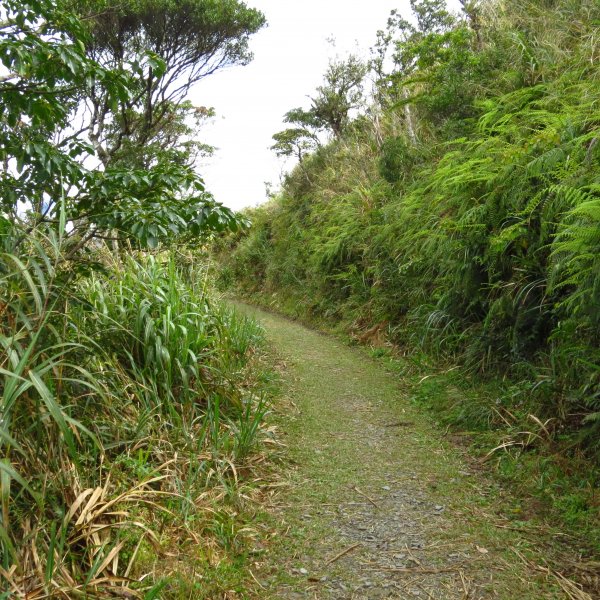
[455,219]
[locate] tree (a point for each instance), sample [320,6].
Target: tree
[432,15]
[47,72]
[293,142]
[169,46]
[341,93]
[299,140]
[76,89]
[438,65]
[330,110]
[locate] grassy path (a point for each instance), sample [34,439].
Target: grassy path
[378,505]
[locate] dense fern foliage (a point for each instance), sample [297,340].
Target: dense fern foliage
[462,208]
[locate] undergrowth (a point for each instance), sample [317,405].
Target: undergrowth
[131,418]
[552,483]
[456,218]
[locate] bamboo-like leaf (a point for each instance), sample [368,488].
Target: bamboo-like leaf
[27,277]
[7,468]
[55,411]
[7,544]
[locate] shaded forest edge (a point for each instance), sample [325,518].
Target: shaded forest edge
[450,218]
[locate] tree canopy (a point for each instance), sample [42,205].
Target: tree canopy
[96,115]
[330,109]
[168,46]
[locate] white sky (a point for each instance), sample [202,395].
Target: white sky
[290,58]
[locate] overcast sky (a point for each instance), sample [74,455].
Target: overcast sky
[290,57]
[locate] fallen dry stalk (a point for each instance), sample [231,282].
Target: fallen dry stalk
[417,570]
[573,591]
[465,585]
[342,553]
[365,496]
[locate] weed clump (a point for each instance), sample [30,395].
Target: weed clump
[129,408]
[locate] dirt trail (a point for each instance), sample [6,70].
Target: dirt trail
[378,504]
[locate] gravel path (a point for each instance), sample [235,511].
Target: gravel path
[377,504]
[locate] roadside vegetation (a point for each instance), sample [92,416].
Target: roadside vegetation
[129,403]
[131,399]
[450,217]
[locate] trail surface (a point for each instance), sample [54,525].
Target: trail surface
[376,503]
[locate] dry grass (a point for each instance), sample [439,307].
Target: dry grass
[133,410]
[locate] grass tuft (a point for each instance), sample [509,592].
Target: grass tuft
[129,406]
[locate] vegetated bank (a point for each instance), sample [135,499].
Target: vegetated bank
[453,218]
[131,400]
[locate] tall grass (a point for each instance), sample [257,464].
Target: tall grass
[126,397]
